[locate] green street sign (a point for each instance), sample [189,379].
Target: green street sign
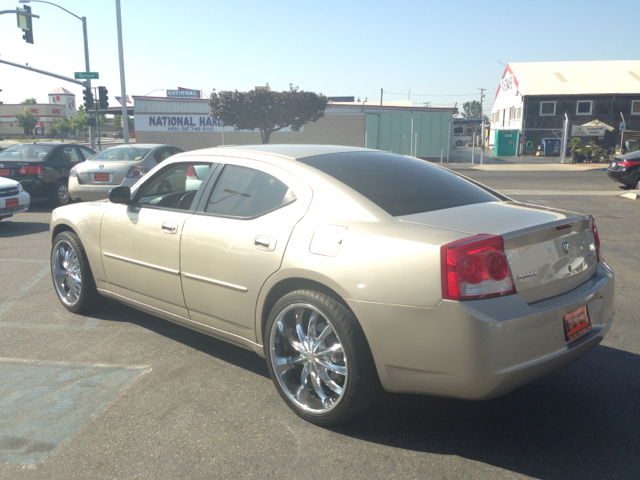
[84,75]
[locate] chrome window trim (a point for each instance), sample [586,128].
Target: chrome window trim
[143,264]
[215,282]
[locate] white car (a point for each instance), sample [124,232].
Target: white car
[13,198]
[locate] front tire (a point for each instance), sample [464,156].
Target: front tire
[318,358]
[72,277]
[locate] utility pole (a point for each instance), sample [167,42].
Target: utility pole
[125,118]
[482,127]
[381,93]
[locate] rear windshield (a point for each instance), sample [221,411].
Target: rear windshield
[121,154]
[26,152]
[400,185]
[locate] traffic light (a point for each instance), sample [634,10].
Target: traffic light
[104,99]
[88,98]
[24,22]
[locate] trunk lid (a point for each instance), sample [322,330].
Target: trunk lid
[111,172]
[549,251]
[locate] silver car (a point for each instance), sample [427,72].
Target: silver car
[348,269]
[13,198]
[121,165]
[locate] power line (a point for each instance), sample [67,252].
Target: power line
[417,95]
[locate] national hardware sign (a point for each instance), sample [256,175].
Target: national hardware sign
[186,123]
[183,93]
[582,131]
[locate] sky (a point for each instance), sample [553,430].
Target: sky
[439,52]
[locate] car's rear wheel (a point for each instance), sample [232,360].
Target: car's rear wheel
[318,357]
[60,195]
[72,277]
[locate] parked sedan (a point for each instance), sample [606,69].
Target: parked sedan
[626,169]
[348,269]
[121,165]
[43,168]
[13,198]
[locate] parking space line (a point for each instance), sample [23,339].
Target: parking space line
[4,306]
[27,260]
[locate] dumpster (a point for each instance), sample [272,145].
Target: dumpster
[551,146]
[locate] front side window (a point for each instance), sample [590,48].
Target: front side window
[584,107]
[86,152]
[174,187]
[547,108]
[247,193]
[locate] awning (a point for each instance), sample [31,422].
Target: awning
[598,123]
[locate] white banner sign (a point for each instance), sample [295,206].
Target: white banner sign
[581,131]
[185,123]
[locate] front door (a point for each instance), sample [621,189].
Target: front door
[141,242]
[231,247]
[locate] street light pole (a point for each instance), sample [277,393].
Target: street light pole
[482,127]
[86,53]
[125,118]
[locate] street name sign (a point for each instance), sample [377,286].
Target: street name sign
[87,75]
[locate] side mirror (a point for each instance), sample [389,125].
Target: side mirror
[120,195]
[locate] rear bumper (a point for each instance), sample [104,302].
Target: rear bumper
[91,193]
[485,348]
[627,177]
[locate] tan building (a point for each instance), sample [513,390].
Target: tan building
[45,112]
[186,123]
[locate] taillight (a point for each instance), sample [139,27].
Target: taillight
[596,239]
[30,170]
[138,171]
[626,163]
[191,172]
[475,268]
[73,172]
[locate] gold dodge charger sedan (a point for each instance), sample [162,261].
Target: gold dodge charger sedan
[348,269]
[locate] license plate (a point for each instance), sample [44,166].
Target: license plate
[5,172]
[12,202]
[576,323]
[101,177]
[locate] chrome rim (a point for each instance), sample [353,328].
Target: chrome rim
[63,194]
[66,273]
[307,358]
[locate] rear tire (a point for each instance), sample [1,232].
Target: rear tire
[72,277]
[60,196]
[318,358]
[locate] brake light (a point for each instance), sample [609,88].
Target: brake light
[191,172]
[138,171]
[596,239]
[30,170]
[475,268]
[73,172]
[627,163]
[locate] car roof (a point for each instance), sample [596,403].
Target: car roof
[46,144]
[142,145]
[289,151]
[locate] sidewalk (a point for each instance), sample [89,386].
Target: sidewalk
[461,160]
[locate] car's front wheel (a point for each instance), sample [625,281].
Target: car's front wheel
[72,277]
[318,357]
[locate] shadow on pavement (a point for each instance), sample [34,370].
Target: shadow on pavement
[583,422]
[117,312]
[9,229]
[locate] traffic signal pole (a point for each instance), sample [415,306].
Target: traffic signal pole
[87,69]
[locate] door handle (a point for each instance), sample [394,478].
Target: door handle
[267,244]
[170,228]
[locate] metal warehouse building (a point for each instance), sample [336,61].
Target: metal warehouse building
[186,123]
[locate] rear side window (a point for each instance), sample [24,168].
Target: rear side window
[247,193]
[400,185]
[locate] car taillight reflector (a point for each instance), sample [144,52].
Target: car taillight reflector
[596,239]
[475,268]
[138,171]
[30,170]
[191,172]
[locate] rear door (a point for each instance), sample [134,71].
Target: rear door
[236,240]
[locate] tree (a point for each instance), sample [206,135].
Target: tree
[27,120]
[471,110]
[266,110]
[29,101]
[62,126]
[80,122]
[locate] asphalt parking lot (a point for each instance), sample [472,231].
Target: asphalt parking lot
[122,394]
